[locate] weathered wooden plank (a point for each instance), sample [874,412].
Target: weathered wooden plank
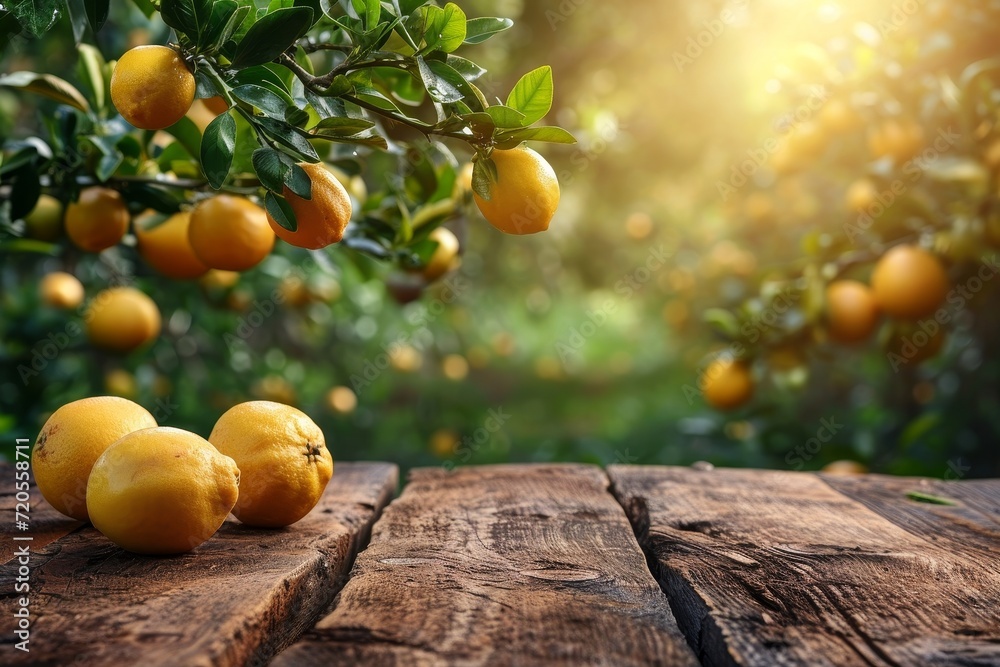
[778,568]
[45,525]
[971,525]
[499,565]
[236,600]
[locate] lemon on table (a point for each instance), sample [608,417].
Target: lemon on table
[161,491]
[283,460]
[72,440]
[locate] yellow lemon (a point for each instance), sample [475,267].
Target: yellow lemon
[282,457]
[72,440]
[122,319]
[525,195]
[161,491]
[61,290]
[151,87]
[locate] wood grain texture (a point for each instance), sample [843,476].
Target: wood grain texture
[236,600]
[45,523]
[778,568]
[971,526]
[499,565]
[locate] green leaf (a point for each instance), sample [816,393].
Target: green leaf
[217,149]
[444,29]
[281,211]
[90,69]
[271,167]
[468,70]
[369,11]
[97,13]
[271,35]
[484,176]
[375,98]
[158,199]
[481,29]
[287,136]
[342,127]
[272,104]
[36,16]
[921,497]
[24,189]
[482,124]
[554,135]
[506,117]
[263,76]
[146,7]
[225,17]
[46,85]
[77,12]
[532,94]
[469,93]
[186,132]
[190,17]
[722,321]
[298,181]
[438,87]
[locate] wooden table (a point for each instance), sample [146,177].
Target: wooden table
[537,564]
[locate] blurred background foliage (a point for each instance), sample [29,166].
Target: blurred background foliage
[586,343]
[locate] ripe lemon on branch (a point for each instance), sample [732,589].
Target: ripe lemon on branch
[322,218]
[524,194]
[152,87]
[97,220]
[229,233]
[167,249]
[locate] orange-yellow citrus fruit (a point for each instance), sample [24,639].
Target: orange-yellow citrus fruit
[167,249]
[900,139]
[909,283]
[216,104]
[97,220]
[122,319]
[72,440]
[526,194]
[851,311]
[151,87]
[61,290]
[845,468]
[283,460]
[45,221]
[161,491]
[230,233]
[727,384]
[322,218]
[445,257]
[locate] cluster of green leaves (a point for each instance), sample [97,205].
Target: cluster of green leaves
[387,65]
